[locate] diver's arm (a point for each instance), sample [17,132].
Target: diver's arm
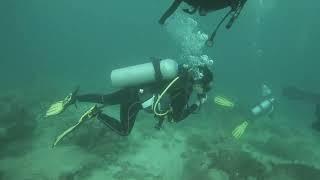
[179,116]
[190,109]
[174,6]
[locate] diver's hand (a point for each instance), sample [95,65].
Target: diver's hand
[201,101]
[239,130]
[204,99]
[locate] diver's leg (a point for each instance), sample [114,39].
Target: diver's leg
[111,122]
[128,114]
[129,108]
[94,98]
[174,6]
[114,98]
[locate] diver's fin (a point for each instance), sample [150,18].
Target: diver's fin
[58,107]
[55,108]
[91,113]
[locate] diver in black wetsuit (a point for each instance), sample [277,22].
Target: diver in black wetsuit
[294,93]
[130,102]
[174,106]
[206,6]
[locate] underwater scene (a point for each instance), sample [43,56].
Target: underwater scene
[159,90]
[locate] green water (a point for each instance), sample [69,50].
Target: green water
[49,47]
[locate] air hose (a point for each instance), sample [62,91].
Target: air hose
[160,97]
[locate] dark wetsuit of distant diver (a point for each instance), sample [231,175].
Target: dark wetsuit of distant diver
[205,6]
[294,93]
[130,103]
[316,124]
[197,5]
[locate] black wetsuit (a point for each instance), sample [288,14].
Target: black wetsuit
[316,124]
[298,94]
[201,6]
[318,111]
[130,105]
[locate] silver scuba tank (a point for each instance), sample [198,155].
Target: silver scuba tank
[143,73]
[265,106]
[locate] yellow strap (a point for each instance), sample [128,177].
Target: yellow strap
[159,98]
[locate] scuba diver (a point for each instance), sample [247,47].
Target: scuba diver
[203,7]
[264,108]
[294,93]
[162,87]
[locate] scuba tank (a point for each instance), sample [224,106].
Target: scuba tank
[151,72]
[265,106]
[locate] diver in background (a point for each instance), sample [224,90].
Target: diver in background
[263,108]
[294,93]
[206,6]
[148,96]
[316,124]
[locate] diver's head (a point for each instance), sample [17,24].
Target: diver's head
[204,83]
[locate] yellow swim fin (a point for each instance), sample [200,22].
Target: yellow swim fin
[91,113]
[60,106]
[239,130]
[55,108]
[223,101]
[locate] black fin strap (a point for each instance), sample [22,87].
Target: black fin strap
[156,66]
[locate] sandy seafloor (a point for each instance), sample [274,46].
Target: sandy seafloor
[199,148]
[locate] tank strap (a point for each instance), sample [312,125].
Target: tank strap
[156,66]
